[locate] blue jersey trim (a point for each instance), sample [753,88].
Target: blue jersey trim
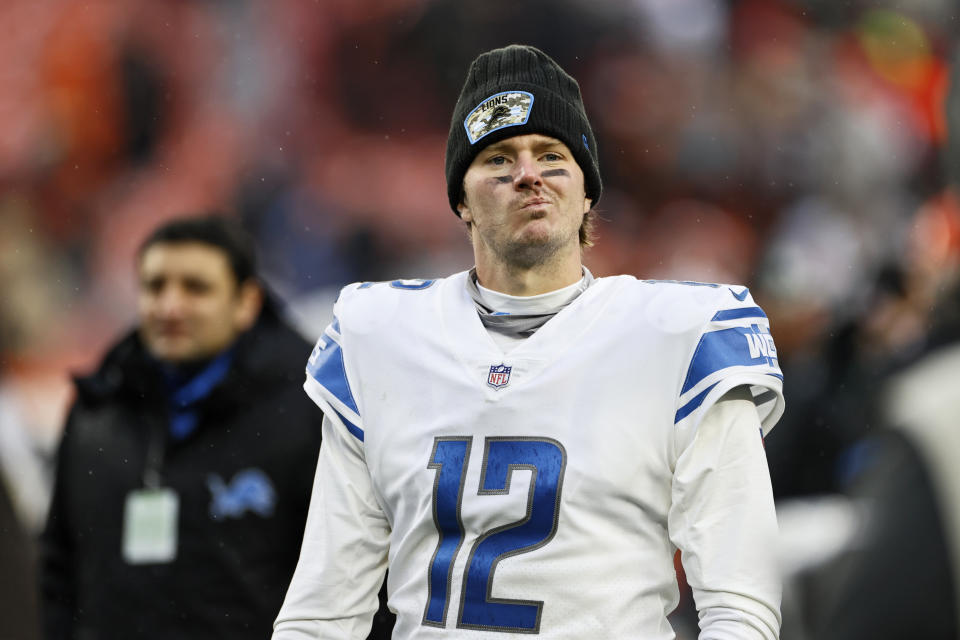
[354,430]
[411,285]
[737,314]
[326,367]
[734,347]
[693,405]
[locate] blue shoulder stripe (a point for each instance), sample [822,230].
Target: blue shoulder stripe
[692,405]
[737,314]
[326,367]
[733,347]
[354,430]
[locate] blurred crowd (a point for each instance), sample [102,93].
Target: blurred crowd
[806,148]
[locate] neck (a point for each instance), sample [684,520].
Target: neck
[520,281]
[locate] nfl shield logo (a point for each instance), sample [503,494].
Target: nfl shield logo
[499,376]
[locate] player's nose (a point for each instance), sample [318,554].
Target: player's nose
[526,172]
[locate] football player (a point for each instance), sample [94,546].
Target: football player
[526,446]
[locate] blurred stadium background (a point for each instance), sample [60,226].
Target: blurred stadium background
[801,147]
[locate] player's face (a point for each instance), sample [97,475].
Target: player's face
[190,304]
[524,199]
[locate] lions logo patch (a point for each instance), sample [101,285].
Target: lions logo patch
[506,109]
[249,490]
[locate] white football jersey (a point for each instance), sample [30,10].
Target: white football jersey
[533,491]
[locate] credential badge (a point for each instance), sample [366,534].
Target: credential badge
[507,109]
[499,376]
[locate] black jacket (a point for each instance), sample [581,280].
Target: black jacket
[18,596]
[232,565]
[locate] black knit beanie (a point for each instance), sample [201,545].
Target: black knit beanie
[514,91]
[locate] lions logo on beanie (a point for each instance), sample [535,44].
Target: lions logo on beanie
[506,109]
[515,91]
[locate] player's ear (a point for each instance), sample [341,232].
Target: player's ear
[587,203]
[464,210]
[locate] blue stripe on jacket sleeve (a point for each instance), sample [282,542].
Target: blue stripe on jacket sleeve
[734,347]
[326,367]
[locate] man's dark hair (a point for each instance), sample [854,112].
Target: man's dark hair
[213,229]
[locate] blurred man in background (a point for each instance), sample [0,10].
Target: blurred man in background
[900,577]
[185,467]
[525,445]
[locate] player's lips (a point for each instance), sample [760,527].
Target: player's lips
[534,203]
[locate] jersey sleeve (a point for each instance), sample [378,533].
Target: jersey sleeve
[327,382]
[734,347]
[343,557]
[722,518]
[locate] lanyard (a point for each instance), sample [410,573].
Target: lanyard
[156,450]
[180,401]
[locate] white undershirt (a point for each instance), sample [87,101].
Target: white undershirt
[544,303]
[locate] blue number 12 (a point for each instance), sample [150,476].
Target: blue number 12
[546,459]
